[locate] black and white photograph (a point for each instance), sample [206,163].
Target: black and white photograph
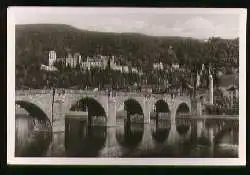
[126,86]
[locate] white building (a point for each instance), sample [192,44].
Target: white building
[48,68]
[52,57]
[94,62]
[112,63]
[69,60]
[121,68]
[134,70]
[175,65]
[125,69]
[117,68]
[158,66]
[77,59]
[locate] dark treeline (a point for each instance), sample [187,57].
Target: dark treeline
[33,42]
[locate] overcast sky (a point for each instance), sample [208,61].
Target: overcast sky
[158,22]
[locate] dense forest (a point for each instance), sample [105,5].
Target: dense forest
[33,42]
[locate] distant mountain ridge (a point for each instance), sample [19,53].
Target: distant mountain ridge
[61,27]
[34,41]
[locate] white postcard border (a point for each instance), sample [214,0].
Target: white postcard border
[11,159]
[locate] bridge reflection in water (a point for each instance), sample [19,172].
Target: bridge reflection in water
[83,140]
[187,137]
[33,137]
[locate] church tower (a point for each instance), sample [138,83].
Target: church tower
[211,88]
[52,57]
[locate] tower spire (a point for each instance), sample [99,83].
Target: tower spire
[211,90]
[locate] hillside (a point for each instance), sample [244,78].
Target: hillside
[33,42]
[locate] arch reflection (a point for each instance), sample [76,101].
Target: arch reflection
[32,130]
[85,135]
[160,119]
[131,132]
[183,123]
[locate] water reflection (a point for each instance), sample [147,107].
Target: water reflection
[29,141]
[130,134]
[83,139]
[160,129]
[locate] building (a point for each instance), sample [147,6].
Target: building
[105,60]
[117,68]
[69,61]
[62,60]
[52,60]
[112,63]
[98,61]
[121,68]
[48,68]
[134,70]
[125,69]
[175,65]
[77,59]
[52,57]
[158,66]
[95,62]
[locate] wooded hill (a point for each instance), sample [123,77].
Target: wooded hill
[34,41]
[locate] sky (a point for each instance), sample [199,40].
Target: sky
[197,23]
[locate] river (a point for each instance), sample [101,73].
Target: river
[131,140]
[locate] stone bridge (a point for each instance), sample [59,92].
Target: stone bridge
[41,101]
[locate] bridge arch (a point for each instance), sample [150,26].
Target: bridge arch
[161,123]
[93,106]
[161,106]
[34,111]
[161,110]
[132,106]
[183,125]
[131,134]
[25,137]
[183,108]
[86,138]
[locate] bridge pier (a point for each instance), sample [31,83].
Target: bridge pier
[146,110]
[211,136]
[57,148]
[147,139]
[173,118]
[200,128]
[112,147]
[173,136]
[58,130]
[196,106]
[111,116]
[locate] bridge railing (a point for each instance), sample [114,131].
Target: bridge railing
[33,92]
[70,91]
[103,93]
